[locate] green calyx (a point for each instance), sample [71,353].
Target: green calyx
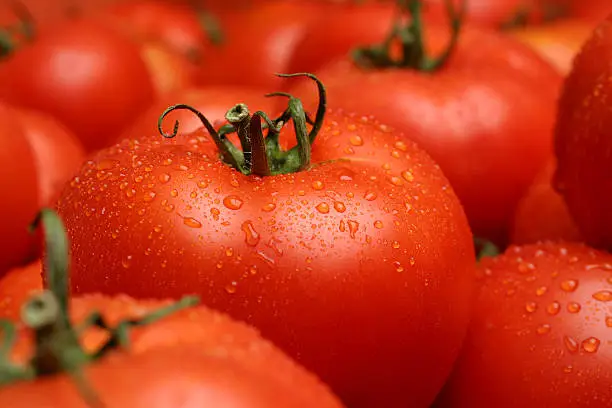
[262,155]
[24,29]
[407,31]
[56,340]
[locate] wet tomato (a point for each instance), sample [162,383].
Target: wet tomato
[583,139]
[326,238]
[79,72]
[542,214]
[540,331]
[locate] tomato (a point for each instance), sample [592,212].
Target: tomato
[212,101]
[542,214]
[335,246]
[57,152]
[16,287]
[558,41]
[582,139]
[79,72]
[18,183]
[464,114]
[593,11]
[169,71]
[539,335]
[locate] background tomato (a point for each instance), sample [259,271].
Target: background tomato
[539,335]
[326,247]
[583,139]
[16,287]
[542,215]
[80,72]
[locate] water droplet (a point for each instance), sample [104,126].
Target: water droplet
[251,236]
[318,185]
[149,196]
[408,176]
[609,321]
[233,202]
[342,226]
[603,296]
[531,307]
[164,178]
[215,213]
[126,262]
[229,252]
[356,140]
[603,267]
[591,345]
[274,244]
[339,206]
[370,196]
[573,307]
[570,344]
[541,291]
[268,207]
[543,329]
[138,179]
[353,227]
[130,192]
[174,193]
[569,285]
[192,222]
[253,269]
[193,194]
[231,288]
[412,261]
[398,267]
[553,309]
[106,164]
[378,224]
[525,267]
[167,162]
[396,181]
[401,146]
[568,369]
[323,208]
[395,244]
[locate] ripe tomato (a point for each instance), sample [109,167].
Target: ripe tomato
[540,331]
[169,71]
[582,139]
[333,246]
[18,183]
[558,42]
[212,101]
[593,11]
[57,152]
[542,214]
[80,72]
[16,287]
[464,114]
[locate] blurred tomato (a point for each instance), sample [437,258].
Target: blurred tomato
[16,287]
[169,70]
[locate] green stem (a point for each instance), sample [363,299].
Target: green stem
[408,30]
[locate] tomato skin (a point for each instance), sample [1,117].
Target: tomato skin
[582,139]
[259,249]
[558,42]
[539,335]
[465,116]
[169,71]
[17,286]
[214,102]
[593,11]
[18,183]
[542,215]
[79,72]
[196,355]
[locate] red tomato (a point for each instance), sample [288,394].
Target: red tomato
[83,73]
[196,355]
[333,247]
[593,11]
[212,101]
[169,71]
[16,287]
[583,139]
[542,214]
[540,332]
[57,153]
[558,42]
[465,115]
[18,183]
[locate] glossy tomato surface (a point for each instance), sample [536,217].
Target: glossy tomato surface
[196,356]
[361,272]
[467,115]
[84,73]
[583,139]
[540,331]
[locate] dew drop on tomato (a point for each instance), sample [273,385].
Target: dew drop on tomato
[233,202]
[603,296]
[251,236]
[192,222]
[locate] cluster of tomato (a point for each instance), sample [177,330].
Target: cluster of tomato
[332,180]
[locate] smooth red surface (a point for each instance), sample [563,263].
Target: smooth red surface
[361,272]
[16,287]
[540,332]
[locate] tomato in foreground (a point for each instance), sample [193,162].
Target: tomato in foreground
[583,139]
[540,331]
[129,353]
[17,286]
[542,215]
[472,108]
[361,272]
[82,72]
